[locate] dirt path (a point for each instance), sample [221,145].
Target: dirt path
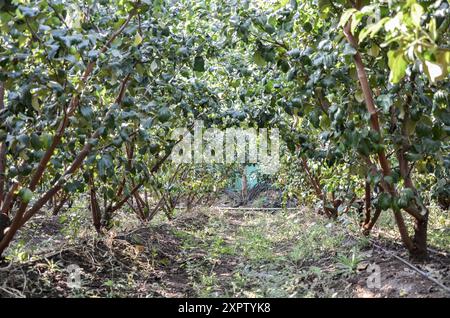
[226,254]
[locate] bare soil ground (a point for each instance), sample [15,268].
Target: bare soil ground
[220,254]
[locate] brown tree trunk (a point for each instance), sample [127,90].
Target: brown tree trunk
[59,206]
[416,209]
[5,222]
[367,203]
[95,208]
[420,250]
[2,149]
[368,227]
[9,198]
[140,206]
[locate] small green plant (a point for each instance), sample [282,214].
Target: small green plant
[109,283]
[18,252]
[239,281]
[255,245]
[219,248]
[73,223]
[53,266]
[348,264]
[207,282]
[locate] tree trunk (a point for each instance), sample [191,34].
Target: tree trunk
[5,222]
[59,206]
[368,227]
[95,209]
[420,251]
[368,202]
[2,149]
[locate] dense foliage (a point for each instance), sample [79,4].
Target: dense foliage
[91,91]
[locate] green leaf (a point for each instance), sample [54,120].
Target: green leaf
[384,201]
[29,12]
[24,140]
[374,50]
[73,186]
[183,51]
[346,16]
[357,17]
[359,96]
[137,39]
[199,64]
[35,102]
[385,101]
[307,27]
[407,193]
[147,123]
[164,114]
[46,140]
[86,111]
[294,53]
[55,86]
[349,49]
[103,164]
[397,65]
[324,4]
[416,14]
[438,70]
[154,66]
[259,60]
[410,126]
[432,29]
[434,71]
[372,29]
[269,28]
